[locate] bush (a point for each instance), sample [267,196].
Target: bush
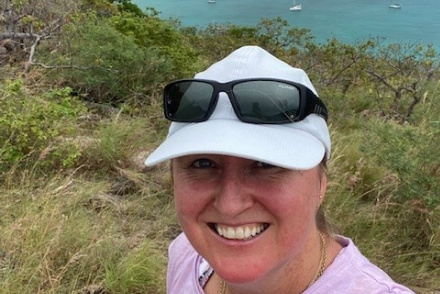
[108,67]
[150,33]
[29,124]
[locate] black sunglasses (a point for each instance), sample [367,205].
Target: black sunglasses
[261,100]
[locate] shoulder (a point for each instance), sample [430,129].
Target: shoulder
[352,272]
[180,246]
[181,254]
[182,268]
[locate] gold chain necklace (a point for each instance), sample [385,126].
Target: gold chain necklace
[222,287]
[322,261]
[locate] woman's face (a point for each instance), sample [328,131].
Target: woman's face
[249,219]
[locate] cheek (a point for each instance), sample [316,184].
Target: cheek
[295,215]
[189,200]
[184,208]
[182,197]
[297,191]
[296,209]
[296,203]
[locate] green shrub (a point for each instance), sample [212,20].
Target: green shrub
[109,67]
[412,153]
[30,123]
[151,33]
[118,59]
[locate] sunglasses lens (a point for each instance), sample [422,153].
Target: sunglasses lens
[188,101]
[267,101]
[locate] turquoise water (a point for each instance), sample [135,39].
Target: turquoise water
[350,21]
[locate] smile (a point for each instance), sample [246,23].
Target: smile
[242,232]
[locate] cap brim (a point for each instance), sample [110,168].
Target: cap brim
[280,145]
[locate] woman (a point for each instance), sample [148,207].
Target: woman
[249,144]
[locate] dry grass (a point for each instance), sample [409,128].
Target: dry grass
[104,227]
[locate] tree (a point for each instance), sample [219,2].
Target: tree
[27,23]
[400,74]
[276,35]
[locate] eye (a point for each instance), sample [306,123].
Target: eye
[264,165]
[202,163]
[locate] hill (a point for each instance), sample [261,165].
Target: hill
[81,108]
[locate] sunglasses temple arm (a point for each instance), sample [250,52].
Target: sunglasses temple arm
[320,108]
[316,105]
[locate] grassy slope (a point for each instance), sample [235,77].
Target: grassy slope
[104,227]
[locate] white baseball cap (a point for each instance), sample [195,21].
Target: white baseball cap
[298,145]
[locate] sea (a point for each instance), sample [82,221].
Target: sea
[349,21]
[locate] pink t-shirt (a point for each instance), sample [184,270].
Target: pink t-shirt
[350,273]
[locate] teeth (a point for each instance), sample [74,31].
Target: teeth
[240,233]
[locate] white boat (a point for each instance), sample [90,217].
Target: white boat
[211,1]
[295,7]
[395,5]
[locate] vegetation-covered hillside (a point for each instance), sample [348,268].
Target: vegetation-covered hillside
[80,101]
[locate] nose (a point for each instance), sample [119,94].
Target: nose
[234,195]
